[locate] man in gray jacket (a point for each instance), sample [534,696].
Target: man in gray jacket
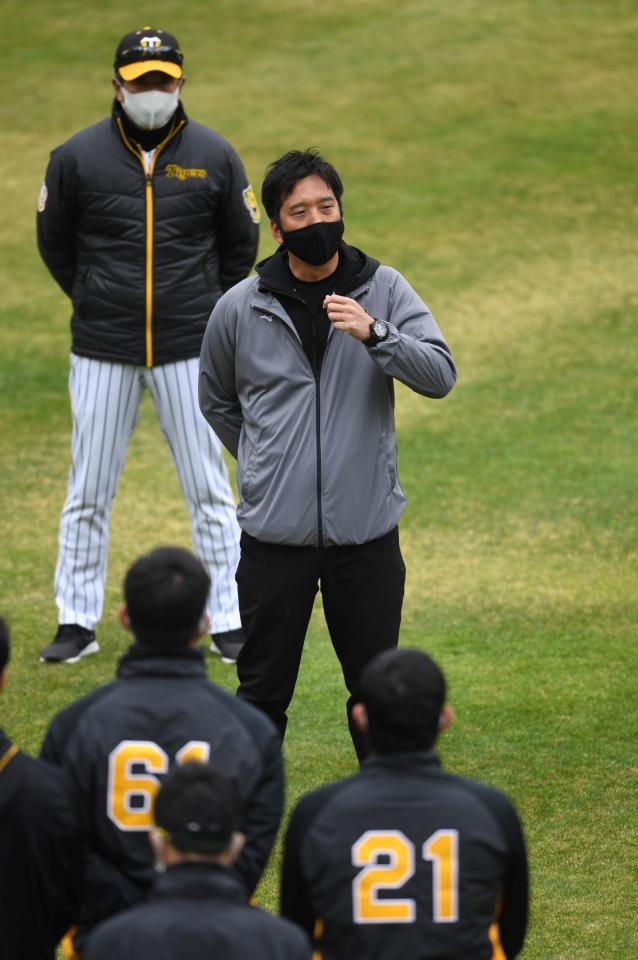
[296,379]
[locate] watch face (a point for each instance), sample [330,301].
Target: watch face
[380,329]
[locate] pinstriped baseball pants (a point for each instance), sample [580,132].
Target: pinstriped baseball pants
[105,403]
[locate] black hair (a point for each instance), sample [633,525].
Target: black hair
[283,174]
[165,593]
[198,809]
[403,692]
[5,644]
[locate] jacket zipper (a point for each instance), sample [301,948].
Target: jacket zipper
[148,178]
[317,374]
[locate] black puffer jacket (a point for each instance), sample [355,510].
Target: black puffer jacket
[145,257]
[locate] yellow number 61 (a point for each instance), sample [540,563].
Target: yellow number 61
[129,798]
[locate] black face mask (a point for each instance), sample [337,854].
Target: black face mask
[317,243]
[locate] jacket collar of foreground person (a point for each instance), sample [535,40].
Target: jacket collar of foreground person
[354,268]
[401,708]
[147,83]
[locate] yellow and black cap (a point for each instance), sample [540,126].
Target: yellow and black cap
[148,49]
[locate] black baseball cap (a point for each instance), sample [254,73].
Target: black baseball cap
[148,49]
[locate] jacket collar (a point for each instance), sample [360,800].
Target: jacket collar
[416,762]
[355,267]
[197,880]
[138,662]
[8,751]
[5,743]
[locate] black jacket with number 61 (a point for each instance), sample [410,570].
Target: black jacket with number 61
[144,256]
[118,742]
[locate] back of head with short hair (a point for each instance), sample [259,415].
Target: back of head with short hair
[5,647]
[283,174]
[198,809]
[165,593]
[403,692]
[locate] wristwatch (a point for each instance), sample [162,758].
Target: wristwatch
[379,331]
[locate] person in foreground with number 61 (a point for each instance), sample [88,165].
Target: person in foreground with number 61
[403,860]
[119,741]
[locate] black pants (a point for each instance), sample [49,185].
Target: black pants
[362,592]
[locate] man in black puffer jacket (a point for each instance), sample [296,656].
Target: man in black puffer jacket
[144,220]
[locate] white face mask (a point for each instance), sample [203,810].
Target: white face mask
[151,109]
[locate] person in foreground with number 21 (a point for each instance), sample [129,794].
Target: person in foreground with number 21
[117,742]
[404,861]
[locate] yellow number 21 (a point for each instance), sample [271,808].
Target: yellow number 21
[387,858]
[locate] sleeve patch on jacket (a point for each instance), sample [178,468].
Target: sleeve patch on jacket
[42,198]
[251,204]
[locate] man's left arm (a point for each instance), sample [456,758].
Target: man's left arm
[262,814]
[237,225]
[512,921]
[294,895]
[415,351]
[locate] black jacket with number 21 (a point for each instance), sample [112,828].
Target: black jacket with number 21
[406,862]
[117,743]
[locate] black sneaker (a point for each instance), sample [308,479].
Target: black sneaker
[228,644]
[69,644]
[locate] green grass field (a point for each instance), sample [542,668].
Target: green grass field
[489,153]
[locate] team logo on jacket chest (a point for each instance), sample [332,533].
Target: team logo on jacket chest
[184,173]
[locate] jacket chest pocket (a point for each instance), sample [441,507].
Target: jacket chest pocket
[249,471]
[389,460]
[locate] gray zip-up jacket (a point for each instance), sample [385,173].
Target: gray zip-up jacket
[316,455]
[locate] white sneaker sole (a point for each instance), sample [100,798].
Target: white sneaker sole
[215,649]
[92,647]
